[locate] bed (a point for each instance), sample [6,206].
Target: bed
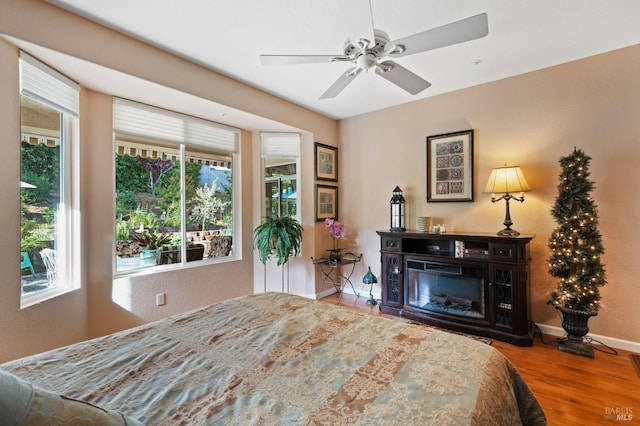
[276,358]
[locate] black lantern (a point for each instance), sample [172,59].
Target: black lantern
[397,210]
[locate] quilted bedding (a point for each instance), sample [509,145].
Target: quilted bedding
[276,358]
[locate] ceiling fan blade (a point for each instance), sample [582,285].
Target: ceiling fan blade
[358,20]
[402,77]
[342,82]
[456,32]
[299,59]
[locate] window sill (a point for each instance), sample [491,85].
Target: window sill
[44,295]
[159,269]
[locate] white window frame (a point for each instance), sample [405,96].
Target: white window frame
[280,145]
[184,133]
[51,88]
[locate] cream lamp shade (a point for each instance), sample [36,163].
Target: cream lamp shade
[506,180]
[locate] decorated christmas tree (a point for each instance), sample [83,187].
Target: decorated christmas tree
[576,244]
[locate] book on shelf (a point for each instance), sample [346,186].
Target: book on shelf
[477,253]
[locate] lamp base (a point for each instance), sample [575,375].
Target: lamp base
[371,300]
[508,232]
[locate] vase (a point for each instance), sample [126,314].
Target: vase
[335,256]
[575,323]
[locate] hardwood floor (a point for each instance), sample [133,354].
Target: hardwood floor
[572,390]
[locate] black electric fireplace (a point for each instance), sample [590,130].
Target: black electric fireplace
[472,283]
[445,288]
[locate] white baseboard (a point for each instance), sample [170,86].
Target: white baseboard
[627,345]
[345,290]
[324,293]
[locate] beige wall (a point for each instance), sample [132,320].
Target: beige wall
[529,120]
[104,305]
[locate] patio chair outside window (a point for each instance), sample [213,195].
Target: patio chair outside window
[25,262]
[49,258]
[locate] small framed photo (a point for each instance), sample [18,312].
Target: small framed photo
[326,162]
[326,202]
[450,167]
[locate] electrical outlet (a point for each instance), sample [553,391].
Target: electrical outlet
[161,299]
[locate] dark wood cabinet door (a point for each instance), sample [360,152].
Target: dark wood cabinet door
[392,274]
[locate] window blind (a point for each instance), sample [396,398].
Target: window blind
[151,123]
[280,144]
[48,86]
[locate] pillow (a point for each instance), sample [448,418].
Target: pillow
[22,403]
[15,397]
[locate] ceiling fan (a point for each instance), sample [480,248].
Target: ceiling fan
[372,47]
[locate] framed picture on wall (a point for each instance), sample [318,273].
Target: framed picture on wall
[326,202]
[450,167]
[326,162]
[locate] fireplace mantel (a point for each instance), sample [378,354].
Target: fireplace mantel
[499,264]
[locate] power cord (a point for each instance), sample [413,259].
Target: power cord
[609,350]
[537,332]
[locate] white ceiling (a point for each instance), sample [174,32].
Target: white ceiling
[229,35]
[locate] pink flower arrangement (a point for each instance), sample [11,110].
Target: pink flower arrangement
[335,227]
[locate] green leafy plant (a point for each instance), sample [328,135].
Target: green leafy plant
[172,215]
[142,217]
[40,194]
[125,203]
[207,204]
[227,222]
[34,236]
[278,236]
[122,230]
[150,239]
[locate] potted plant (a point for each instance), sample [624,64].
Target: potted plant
[149,240]
[336,229]
[576,247]
[278,236]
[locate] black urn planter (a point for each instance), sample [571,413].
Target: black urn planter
[576,324]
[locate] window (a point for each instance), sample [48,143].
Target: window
[280,187]
[174,185]
[49,109]
[280,152]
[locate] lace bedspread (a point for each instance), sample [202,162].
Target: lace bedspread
[281,359]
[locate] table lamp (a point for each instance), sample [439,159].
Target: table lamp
[505,181]
[370,279]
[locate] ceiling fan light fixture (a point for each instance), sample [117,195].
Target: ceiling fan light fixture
[367,60]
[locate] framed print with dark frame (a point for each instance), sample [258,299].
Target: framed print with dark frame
[326,202]
[450,167]
[326,162]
